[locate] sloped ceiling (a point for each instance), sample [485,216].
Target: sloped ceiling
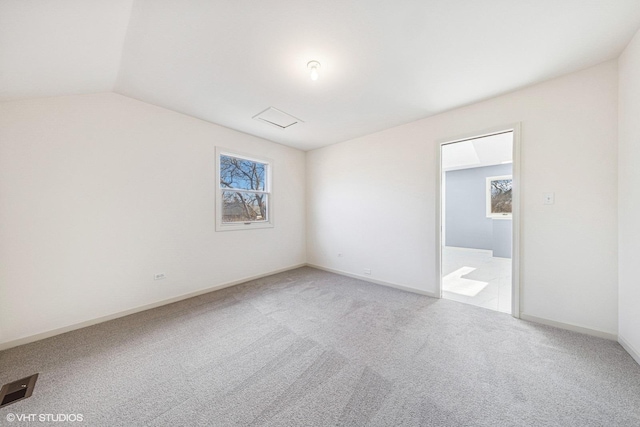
[384,62]
[486,151]
[60,47]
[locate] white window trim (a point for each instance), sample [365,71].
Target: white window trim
[488,198]
[228,226]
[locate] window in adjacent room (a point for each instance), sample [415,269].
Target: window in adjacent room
[244,193]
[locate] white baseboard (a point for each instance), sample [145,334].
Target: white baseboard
[569,327]
[58,331]
[629,348]
[377,282]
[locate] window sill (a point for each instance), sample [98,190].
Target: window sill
[243,226]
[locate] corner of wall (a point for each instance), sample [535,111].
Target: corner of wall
[633,352]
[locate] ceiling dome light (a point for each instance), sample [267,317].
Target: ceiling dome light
[313,67]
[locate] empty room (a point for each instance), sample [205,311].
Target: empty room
[234,213]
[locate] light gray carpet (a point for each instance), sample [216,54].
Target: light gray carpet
[310,348]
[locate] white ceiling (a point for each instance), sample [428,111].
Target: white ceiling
[60,47]
[474,153]
[384,62]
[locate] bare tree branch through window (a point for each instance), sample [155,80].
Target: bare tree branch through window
[244,190]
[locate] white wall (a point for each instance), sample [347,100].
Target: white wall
[373,198]
[99,192]
[629,196]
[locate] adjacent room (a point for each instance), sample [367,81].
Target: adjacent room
[233,213]
[476,199]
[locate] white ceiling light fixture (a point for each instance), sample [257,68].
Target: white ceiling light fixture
[313,67]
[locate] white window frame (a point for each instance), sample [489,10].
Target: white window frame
[488,197]
[228,226]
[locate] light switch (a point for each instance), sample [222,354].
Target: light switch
[549,198]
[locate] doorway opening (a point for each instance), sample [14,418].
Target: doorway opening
[478,242]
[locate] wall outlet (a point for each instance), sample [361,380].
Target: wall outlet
[159,276]
[549,198]
[367,271]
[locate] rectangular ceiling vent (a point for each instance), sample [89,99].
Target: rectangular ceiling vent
[17,390]
[278,118]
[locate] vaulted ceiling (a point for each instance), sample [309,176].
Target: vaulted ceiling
[383,62]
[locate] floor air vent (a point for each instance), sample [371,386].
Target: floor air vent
[17,390]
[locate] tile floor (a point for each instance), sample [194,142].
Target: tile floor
[474,276]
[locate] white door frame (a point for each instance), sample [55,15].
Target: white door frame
[517,196]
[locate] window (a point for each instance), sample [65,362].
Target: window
[243,192]
[499,196]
